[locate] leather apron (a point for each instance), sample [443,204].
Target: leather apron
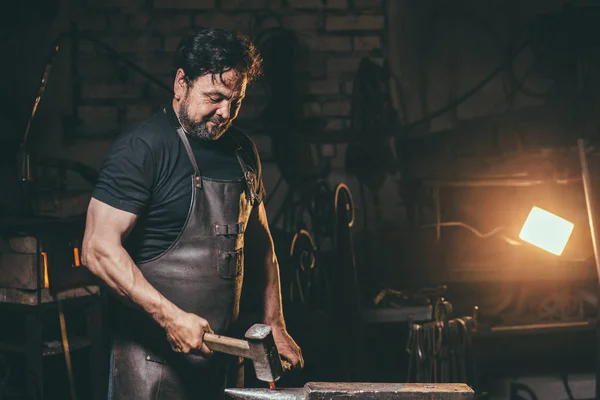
[201,273]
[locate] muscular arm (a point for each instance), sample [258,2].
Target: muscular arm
[262,254]
[103,254]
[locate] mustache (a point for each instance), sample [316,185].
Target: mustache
[217,120]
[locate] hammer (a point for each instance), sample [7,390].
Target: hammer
[259,347]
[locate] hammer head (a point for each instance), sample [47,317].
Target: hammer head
[263,353]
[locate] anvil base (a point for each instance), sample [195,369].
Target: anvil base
[356,390]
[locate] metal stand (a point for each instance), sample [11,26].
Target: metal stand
[587,188]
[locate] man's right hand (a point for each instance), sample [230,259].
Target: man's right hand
[186,333]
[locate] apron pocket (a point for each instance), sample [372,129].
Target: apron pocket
[230,263]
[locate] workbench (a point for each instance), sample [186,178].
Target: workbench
[32,331]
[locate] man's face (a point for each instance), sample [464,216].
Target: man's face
[210,103]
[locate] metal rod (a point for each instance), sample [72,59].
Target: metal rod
[41,90]
[438,212]
[66,348]
[509,182]
[587,188]
[539,327]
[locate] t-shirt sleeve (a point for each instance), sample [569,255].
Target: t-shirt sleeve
[127,175]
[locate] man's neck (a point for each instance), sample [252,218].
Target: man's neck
[176,111]
[175,105]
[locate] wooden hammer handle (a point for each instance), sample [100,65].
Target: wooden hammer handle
[227,345]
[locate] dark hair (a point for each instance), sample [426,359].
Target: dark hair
[216,51]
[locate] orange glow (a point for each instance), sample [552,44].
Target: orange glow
[546,231]
[76,259]
[45,260]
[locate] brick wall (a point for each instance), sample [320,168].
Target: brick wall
[334,34]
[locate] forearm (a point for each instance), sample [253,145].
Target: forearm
[273,310]
[263,259]
[273,316]
[114,266]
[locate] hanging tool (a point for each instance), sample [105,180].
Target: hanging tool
[303,258]
[24,156]
[440,351]
[346,295]
[366,391]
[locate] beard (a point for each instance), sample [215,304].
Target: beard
[200,129]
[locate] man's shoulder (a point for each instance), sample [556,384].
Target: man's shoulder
[154,131]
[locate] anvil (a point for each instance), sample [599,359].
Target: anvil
[359,390]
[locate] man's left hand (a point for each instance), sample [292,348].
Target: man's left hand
[287,348]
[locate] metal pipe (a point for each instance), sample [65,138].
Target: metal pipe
[587,188]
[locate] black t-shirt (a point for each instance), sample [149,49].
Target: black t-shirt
[147,172]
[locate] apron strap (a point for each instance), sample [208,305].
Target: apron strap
[190,153]
[250,175]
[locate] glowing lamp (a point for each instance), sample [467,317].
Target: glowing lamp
[546,231]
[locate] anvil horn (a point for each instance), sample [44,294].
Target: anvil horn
[266,394]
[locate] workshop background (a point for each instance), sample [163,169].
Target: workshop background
[403,145]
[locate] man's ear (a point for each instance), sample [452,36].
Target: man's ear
[180,85]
